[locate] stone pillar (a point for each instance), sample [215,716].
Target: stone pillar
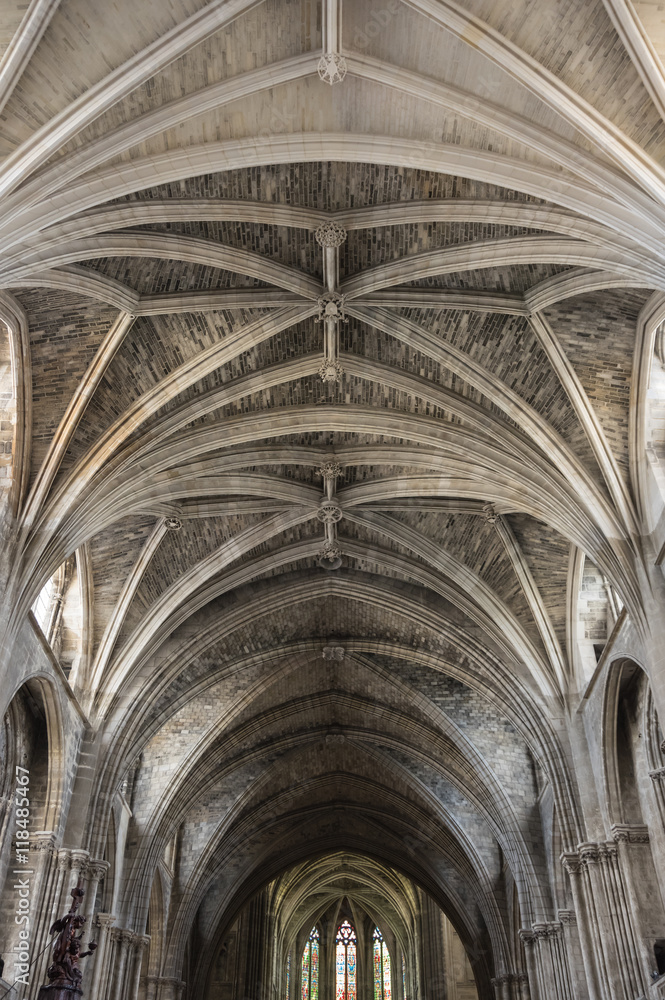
[141,942]
[48,877]
[528,940]
[166,987]
[105,922]
[547,962]
[511,986]
[431,949]
[604,916]
[123,939]
[523,985]
[151,983]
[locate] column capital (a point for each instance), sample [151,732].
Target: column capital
[43,840]
[96,870]
[545,930]
[79,858]
[594,854]
[105,919]
[571,862]
[630,833]
[566,916]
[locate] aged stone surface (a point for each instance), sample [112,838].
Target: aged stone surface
[332,496]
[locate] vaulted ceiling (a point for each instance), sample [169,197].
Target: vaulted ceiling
[171,276]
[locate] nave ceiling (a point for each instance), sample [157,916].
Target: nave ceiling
[339,612]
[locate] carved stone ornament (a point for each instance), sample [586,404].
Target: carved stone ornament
[330,470]
[333,652]
[331,306]
[658,774]
[527,937]
[173,523]
[64,973]
[329,512]
[332,68]
[594,854]
[330,234]
[331,556]
[96,870]
[490,514]
[331,371]
[626,833]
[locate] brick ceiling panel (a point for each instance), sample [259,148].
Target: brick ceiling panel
[331,186]
[66,331]
[548,556]
[151,276]
[602,356]
[113,553]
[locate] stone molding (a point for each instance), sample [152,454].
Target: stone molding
[629,833]
[590,854]
[566,916]
[540,931]
[96,870]
[43,841]
[658,774]
[509,979]
[330,234]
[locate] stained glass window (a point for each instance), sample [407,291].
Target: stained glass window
[403,977]
[382,990]
[345,962]
[310,967]
[288,976]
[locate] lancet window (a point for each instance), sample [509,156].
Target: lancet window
[346,962]
[382,990]
[310,967]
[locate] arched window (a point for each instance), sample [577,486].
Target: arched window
[41,609]
[288,976]
[382,989]
[310,967]
[345,962]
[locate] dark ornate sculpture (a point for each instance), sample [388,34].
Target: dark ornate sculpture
[64,973]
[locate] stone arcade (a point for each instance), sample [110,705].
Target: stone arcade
[332,470]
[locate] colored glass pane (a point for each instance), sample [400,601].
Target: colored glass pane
[345,962]
[340,971]
[377,968]
[305,973]
[351,972]
[404,975]
[314,971]
[288,976]
[387,992]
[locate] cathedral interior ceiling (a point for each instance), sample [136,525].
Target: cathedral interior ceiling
[330,608]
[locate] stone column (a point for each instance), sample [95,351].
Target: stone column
[168,987]
[574,867]
[141,942]
[105,923]
[610,950]
[527,938]
[47,880]
[151,983]
[431,950]
[123,939]
[547,962]
[524,993]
